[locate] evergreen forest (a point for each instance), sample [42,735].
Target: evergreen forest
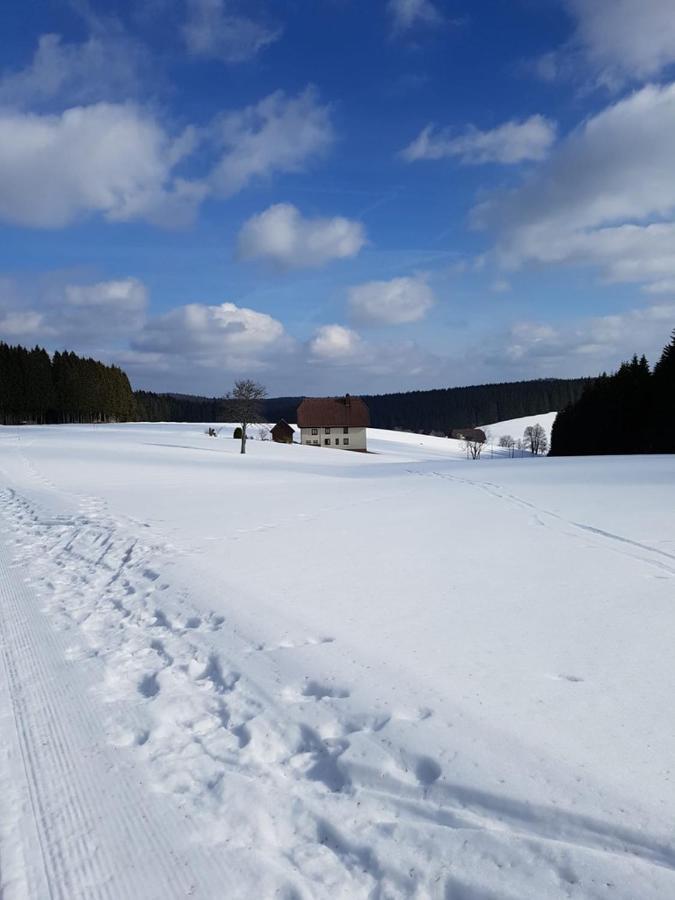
[38,388]
[631,411]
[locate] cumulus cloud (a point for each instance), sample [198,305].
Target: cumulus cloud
[109,307]
[512,142]
[119,160]
[74,314]
[278,134]
[588,346]
[215,30]
[200,347]
[108,66]
[23,325]
[282,236]
[406,14]
[394,302]
[606,197]
[223,336]
[335,343]
[625,39]
[112,159]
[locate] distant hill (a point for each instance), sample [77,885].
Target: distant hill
[422,411]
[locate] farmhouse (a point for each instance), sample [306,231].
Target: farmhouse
[282,433]
[338,422]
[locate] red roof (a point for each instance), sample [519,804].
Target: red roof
[333,412]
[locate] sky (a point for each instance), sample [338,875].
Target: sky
[338,195]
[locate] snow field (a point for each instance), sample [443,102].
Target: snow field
[306,673]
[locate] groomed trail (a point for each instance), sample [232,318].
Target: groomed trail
[292,680]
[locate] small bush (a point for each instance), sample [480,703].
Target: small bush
[237,432]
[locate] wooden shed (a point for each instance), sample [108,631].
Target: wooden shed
[468,434]
[282,433]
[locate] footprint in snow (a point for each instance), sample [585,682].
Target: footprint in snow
[322,691]
[148,686]
[427,770]
[574,679]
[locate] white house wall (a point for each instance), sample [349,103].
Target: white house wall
[336,436]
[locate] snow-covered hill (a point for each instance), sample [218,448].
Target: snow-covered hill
[516,427]
[305,673]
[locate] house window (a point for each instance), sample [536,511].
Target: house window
[345,430]
[327,442]
[316,443]
[345,441]
[315,430]
[327,430]
[337,441]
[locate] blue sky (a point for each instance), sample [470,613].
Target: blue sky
[334,195]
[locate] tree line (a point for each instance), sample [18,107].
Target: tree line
[441,410]
[64,388]
[631,411]
[152,407]
[430,411]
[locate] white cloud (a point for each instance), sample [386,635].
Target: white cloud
[111,159]
[119,161]
[215,30]
[335,343]
[393,302]
[408,13]
[23,325]
[625,39]
[104,67]
[626,253]
[588,346]
[606,197]
[106,307]
[282,236]
[278,134]
[223,336]
[73,314]
[200,347]
[512,142]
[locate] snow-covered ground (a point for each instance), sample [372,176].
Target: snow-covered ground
[305,673]
[516,427]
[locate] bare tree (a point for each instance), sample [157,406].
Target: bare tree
[245,405]
[508,443]
[473,448]
[535,439]
[264,434]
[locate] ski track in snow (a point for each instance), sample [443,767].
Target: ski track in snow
[651,556]
[124,694]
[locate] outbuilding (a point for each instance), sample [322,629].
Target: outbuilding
[477,435]
[282,433]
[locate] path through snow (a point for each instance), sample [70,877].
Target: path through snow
[157,743]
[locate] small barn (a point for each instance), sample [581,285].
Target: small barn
[282,433]
[338,422]
[477,435]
